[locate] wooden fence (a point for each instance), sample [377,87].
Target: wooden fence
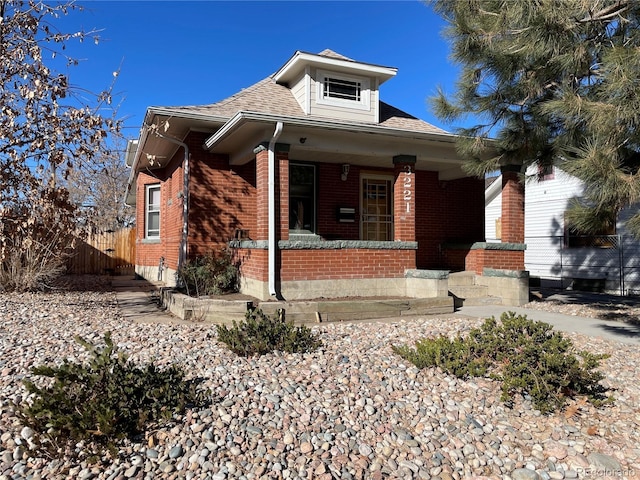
[111,252]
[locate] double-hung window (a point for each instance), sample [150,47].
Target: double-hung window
[152,211]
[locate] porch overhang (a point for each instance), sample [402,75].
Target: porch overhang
[323,140]
[152,152]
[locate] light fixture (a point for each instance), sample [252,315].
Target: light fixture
[345,172]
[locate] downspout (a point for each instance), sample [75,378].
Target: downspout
[182,257]
[272,209]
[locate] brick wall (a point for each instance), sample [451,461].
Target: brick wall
[335,193]
[478,260]
[253,263]
[170,178]
[222,199]
[326,264]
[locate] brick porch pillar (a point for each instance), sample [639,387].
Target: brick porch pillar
[512,205]
[404,198]
[262,192]
[281,191]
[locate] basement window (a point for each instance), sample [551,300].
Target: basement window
[343,90]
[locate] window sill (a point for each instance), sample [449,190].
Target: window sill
[150,241]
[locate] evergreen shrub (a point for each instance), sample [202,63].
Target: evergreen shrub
[526,356]
[214,273]
[104,400]
[259,334]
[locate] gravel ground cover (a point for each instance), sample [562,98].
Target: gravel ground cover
[350,410]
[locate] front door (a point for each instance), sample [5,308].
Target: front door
[376,222]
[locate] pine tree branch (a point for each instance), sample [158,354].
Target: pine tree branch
[606,13]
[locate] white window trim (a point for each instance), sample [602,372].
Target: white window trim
[148,210]
[365,93]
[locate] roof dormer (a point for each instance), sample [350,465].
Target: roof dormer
[331,85]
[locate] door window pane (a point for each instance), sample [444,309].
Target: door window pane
[302,198]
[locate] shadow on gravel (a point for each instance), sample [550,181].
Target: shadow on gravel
[609,307]
[82,283]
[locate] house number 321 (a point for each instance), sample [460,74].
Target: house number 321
[407,187]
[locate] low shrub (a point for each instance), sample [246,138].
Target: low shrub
[104,400]
[212,274]
[259,333]
[526,356]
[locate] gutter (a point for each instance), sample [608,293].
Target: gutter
[272,209]
[241,117]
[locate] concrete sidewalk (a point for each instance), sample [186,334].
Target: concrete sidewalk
[138,302]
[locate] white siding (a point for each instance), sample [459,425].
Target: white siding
[344,113]
[546,257]
[546,202]
[298,89]
[631,252]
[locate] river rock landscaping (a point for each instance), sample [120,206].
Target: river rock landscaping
[352,409]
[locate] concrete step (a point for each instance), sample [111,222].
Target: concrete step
[465,292]
[462,279]
[469,291]
[476,302]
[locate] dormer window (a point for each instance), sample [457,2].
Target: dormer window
[342,90]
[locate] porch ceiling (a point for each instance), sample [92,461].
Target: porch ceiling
[335,145]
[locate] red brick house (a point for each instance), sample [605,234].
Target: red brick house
[320,188]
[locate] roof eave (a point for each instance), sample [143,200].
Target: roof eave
[186,114]
[289,69]
[247,116]
[133,155]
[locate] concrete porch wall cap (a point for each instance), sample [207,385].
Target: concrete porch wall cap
[486,246]
[325,245]
[497,272]
[428,274]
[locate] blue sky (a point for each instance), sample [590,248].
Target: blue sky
[197,52]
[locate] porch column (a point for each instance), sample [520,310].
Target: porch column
[404,198]
[512,205]
[262,192]
[281,191]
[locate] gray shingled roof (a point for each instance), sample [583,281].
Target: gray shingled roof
[330,53]
[268,97]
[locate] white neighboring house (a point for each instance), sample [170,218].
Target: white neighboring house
[555,255]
